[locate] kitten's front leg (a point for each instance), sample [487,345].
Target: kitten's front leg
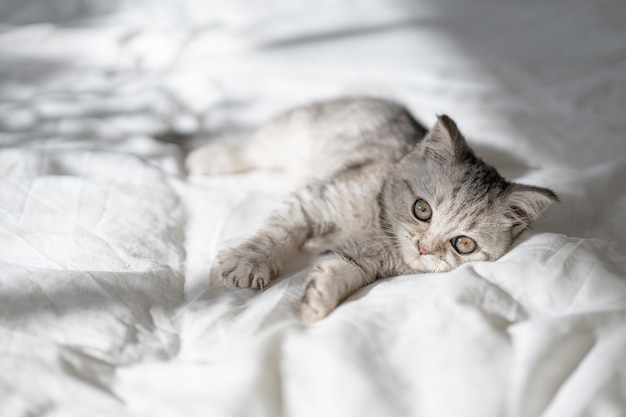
[250,264]
[335,276]
[258,259]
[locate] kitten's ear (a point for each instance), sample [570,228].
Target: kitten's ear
[525,205]
[444,142]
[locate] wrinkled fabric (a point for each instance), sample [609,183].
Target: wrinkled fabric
[106,246]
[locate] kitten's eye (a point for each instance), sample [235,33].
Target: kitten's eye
[422,210]
[463,244]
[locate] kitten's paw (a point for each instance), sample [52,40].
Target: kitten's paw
[318,301]
[245,271]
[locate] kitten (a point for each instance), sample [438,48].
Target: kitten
[381,197]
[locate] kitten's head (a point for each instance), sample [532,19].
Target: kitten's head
[443,206]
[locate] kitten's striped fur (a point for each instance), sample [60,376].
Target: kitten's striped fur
[362,164]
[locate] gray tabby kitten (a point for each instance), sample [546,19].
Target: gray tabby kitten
[381,197]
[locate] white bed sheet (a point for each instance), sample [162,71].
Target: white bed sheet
[105,245]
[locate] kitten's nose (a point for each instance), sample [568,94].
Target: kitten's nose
[422,250]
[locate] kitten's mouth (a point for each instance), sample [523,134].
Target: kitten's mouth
[417,261]
[424,261]
[429,264]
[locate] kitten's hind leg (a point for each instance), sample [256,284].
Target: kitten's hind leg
[285,143]
[273,146]
[334,278]
[220,156]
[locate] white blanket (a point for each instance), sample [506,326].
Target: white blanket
[105,245]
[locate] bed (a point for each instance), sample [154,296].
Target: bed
[106,244]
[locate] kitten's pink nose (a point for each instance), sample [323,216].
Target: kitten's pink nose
[422,250]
